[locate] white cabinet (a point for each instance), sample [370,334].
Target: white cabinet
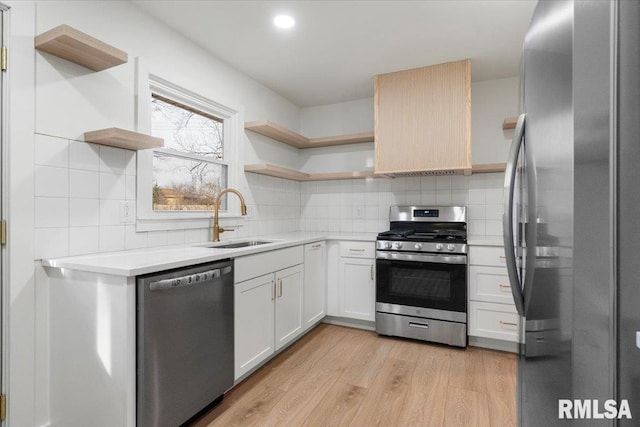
[254,319]
[288,305]
[315,283]
[357,280]
[268,308]
[492,313]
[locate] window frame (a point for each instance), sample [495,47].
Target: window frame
[147,219]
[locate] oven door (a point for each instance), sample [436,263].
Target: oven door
[437,282]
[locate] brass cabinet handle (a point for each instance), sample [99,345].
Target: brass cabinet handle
[356,250]
[508,323]
[371,271]
[319,245]
[504,287]
[273,286]
[503,257]
[280,293]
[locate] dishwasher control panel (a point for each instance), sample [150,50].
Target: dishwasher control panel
[188,280]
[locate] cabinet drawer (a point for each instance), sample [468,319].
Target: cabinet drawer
[250,266]
[489,284]
[497,321]
[487,255]
[358,249]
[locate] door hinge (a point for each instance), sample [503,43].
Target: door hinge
[3,58]
[3,407]
[3,232]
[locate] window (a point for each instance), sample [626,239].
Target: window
[190,171]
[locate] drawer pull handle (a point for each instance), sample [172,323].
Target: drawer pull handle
[371,271]
[280,293]
[273,285]
[508,323]
[503,257]
[356,250]
[419,325]
[504,286]
[319,245]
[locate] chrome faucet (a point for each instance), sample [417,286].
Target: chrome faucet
[216,227]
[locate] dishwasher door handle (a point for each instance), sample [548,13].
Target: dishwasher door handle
[189,280]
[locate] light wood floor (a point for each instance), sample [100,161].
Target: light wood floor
[336,376]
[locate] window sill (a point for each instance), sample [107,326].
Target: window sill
[186,223]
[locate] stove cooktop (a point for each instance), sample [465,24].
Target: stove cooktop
[424,236]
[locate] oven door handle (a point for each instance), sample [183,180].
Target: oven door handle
[439,259]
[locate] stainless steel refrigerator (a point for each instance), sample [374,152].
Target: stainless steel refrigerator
[572,210]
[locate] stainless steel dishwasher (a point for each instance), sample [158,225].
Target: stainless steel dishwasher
[184,342]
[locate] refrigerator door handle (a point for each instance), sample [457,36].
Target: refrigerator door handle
[507,216]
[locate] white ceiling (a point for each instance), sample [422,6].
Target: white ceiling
[336,47]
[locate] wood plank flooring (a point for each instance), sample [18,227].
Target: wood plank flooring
[336,376]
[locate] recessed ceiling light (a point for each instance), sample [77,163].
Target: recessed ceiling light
[284,21]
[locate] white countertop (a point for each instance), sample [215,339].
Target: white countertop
[144,261]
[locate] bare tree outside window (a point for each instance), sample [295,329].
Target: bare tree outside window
[190,182]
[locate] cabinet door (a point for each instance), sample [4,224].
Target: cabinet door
[357,288]
[315,289]
[289,322]
[254,317]
[423,119]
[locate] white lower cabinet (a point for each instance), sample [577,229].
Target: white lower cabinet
[357,288]
[492,313]
[288,302]
[315,284]
[254,322]
[268,308]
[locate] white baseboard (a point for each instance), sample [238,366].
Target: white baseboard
[493,344]
[350,323]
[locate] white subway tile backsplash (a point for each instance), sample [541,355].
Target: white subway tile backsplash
[130,187]
[459,182]
[157,238]
[111,238]
[494,228]
[84,212]
[413,183]
[51,151]
[477,196]
[130,158]
[112,160]
[476,227]
[371,212]
[175,237]
[494,212]
[443,183]
[84,184]
[112,186]
[51,181]
[84,155]
[109,212]
[429,197]
[476,212]
[51,242]
[428,183]
[494,196]
[84,240]
[459,197]
[134,240]
[443,198]
[51,212]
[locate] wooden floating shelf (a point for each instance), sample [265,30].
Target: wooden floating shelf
[120,138]
[289,137]
[68,43]
[280,172]
[509,123]
[488,168]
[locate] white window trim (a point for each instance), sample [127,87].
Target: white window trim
[149,220]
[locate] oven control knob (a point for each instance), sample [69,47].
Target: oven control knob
[397,245]
[439,246]
[418,246]
[451,247]
[387,245]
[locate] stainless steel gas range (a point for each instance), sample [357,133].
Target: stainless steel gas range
[421,274]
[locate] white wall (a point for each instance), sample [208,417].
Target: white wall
[491,102]
[79,186]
